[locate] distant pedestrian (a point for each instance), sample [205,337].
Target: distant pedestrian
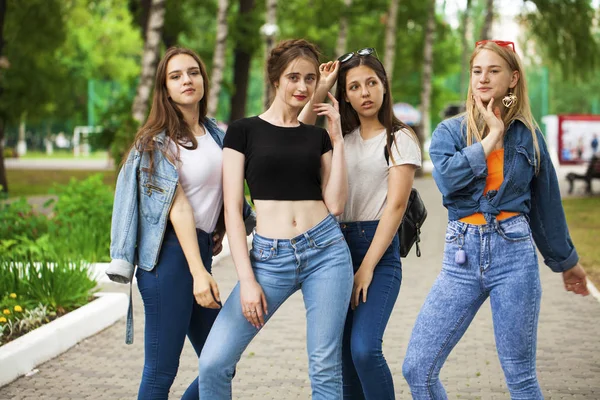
[595,144]
[498,183]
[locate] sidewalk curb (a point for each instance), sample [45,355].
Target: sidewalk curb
[593,290]
[48,341]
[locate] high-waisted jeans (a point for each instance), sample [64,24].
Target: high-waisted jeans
[171,313]
[316,262]
[365,371]
[501,263]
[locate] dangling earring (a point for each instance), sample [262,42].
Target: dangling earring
[509,100]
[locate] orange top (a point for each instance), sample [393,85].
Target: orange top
[495,165]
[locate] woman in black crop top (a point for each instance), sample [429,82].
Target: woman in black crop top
[297,178]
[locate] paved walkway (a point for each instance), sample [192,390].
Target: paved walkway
[275,364]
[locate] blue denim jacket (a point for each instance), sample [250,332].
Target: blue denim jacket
[460,172]
[142,205]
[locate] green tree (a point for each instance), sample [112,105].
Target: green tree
[33,30]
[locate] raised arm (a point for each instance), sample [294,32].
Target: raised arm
[328,72]
[254,302]
[181,216]
[334,175]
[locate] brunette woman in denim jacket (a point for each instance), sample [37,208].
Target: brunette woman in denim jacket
[378,192]
[168,202]
[501,191]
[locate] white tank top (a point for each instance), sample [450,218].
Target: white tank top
[201,178]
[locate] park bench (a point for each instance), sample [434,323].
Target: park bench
[593,171]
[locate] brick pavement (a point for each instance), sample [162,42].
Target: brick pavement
[275,364]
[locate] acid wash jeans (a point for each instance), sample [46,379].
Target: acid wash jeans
[501,264]
[316,262]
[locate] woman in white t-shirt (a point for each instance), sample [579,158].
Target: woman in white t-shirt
[378,192]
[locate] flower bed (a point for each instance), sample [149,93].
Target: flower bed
[45,260]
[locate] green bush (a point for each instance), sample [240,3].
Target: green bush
[81,225]
[19,219]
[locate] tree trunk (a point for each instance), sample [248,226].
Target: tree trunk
[466,46]
[156,21]
[340,46]
[390,40]
[218,65]
[241,70]
[427,74]
[489,19]
[3,181]
[269,32]
[21,143]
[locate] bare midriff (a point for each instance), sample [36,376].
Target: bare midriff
[285,219]
[495,165]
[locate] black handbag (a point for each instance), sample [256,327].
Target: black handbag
[409,231]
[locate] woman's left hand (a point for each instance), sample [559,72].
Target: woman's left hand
[218,242]
[362,281]
[575,280]
[331,111]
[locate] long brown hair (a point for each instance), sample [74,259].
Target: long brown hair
[476,126]
[349,116]
[164,113]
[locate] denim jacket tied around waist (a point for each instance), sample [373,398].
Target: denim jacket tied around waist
[460,172]
[142,204]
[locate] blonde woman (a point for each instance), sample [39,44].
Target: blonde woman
[500,188]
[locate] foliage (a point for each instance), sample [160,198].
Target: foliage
[81,225]
[23,322]
[18,219]
[564,31]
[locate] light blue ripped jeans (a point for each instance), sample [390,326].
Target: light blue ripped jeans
[502,265]
[316,262]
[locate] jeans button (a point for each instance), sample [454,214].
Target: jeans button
[293,241]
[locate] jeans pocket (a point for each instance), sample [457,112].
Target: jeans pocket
[262,254]
[321,244]
[515,232]
[451,235]
[154,196]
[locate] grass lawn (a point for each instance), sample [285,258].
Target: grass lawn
[583,217]
[31,182]
[64,155]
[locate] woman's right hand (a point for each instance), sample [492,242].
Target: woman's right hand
[254,302]
[491,115]
[206,291]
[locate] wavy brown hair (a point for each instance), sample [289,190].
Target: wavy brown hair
[349,116]
[476,126]
[164,113]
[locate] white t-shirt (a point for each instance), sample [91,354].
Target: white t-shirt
[368,172]
[201,178]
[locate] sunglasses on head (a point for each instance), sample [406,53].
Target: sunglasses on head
[367,51]
[500,43]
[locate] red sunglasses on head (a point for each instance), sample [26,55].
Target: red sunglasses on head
[500,43]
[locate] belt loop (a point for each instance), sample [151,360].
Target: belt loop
[274,244]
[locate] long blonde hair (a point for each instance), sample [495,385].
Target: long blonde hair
[476,127]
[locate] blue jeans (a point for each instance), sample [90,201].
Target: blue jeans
[365,371]
[316,262]
[171,313]
[502,265]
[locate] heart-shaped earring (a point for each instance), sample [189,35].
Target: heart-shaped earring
[509,100]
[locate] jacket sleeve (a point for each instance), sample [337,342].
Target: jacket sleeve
[547,217]
[123,233]
[455,166]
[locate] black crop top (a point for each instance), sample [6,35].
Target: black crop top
[281,163]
